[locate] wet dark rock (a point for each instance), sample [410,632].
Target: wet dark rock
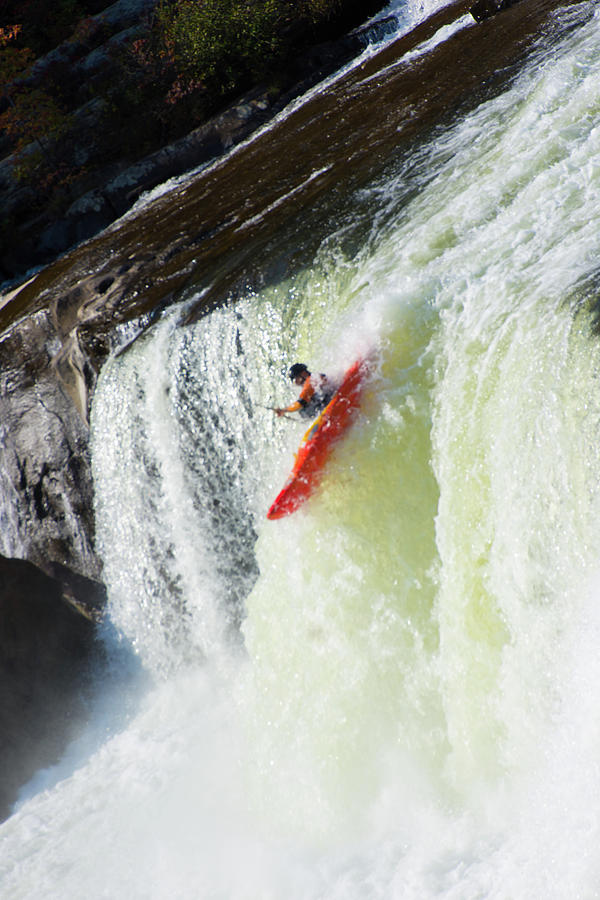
[485,9]
[46,645]
[44,452]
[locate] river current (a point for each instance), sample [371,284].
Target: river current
[393,692]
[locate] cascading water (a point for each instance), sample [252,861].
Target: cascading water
[410,710]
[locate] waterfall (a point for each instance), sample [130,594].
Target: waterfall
[391,693]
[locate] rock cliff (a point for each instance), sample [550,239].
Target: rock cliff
[48,643]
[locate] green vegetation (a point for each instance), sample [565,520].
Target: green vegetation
[196,54]
[217,43]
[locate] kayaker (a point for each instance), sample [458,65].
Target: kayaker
[316,392]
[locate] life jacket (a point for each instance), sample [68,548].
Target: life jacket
[316,393]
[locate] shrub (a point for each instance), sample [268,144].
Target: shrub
[318,10]
[219,43]
[30,115]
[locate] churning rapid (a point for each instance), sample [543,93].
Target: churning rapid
[393,692]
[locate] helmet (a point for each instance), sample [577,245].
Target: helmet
[297,369]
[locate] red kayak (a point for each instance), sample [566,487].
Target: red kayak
[318,442]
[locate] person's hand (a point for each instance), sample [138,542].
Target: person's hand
[279,412]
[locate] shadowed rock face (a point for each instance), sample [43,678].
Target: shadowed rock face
[44,454]
[46,646]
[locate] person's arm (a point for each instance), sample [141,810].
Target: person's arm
[305,397]
[293,407]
